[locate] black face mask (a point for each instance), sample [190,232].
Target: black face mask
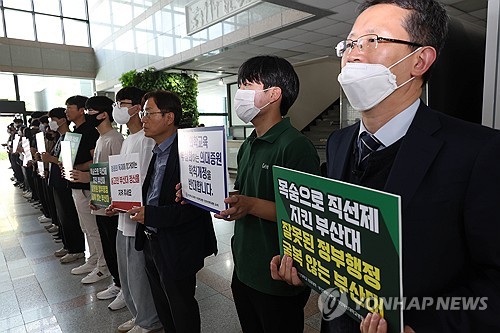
[92,119]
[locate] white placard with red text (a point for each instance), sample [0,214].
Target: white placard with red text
[125,180]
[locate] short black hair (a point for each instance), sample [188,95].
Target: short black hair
[35,122]
[133,93]
[44,119]
[101,104]
[272,71]
[77,100]
[427,23]
[166,101]
[58,113]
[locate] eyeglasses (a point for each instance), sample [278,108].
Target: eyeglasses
[90,111]
[367,43]
[118,104]
[147,114]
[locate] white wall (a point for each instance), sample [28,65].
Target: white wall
[318,89]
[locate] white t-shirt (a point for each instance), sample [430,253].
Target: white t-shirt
[135,143]
[109,143]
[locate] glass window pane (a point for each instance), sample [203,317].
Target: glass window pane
[122,13]
[18,4]
[47,6]
[8,90]
[2,33]
[48,29]
[76,32]
[42,93]
[74,8]
[19,25]
[99,32]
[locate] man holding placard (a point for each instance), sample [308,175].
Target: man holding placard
[176,238]
[131,264]
[444,169]
[268,86]
[75,112]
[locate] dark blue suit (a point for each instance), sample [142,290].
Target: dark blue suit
[447,174]
[185,237]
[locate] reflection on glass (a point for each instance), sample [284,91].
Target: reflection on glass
[8,90]
[75,32]
[122,13]
[125,42]
[44,93]
[47,7]
[48,29]
[99,32]
[18,4]
[19,25]
[74,8]
[2,33]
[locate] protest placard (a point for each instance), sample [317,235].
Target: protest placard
[40,145]
[125,180]
[99,185]
[203,166]
[344,238]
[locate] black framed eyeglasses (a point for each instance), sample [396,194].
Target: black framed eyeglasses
[368,43]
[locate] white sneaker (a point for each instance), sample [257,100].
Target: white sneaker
[70,257]
[43,219]
[127,326]
[61,252]
[118,303]
[96,275]
[83,269]
[111,292]
[139,329]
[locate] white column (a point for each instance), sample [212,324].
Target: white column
[491,95]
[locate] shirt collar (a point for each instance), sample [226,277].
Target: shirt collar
[274,132]
[162,147]
[395,128]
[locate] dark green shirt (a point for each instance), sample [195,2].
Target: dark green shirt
[255,240]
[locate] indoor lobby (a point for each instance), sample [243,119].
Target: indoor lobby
[39,294]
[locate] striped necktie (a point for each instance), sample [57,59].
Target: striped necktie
[368,143]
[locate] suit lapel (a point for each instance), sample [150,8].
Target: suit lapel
[418,150]
[147,180]
[170,171]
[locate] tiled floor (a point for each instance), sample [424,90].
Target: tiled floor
[38,294]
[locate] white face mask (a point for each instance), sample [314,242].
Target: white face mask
[245,106]
[366,85]
[53,125]
[120,114]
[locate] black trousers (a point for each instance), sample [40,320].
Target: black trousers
[107,226]
[74,240]
[51,206]
[41,192]
[259,312]
[174,299]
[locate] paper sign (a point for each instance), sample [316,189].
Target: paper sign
[27,151]
[125,180]
[66,158]
[345,241]
[99,185]
[75,139]
[203,166]
[40,145]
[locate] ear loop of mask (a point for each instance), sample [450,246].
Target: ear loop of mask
[401,60]
[268,102]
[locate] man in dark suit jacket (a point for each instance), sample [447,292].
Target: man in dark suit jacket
[175,238]
[444,169]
